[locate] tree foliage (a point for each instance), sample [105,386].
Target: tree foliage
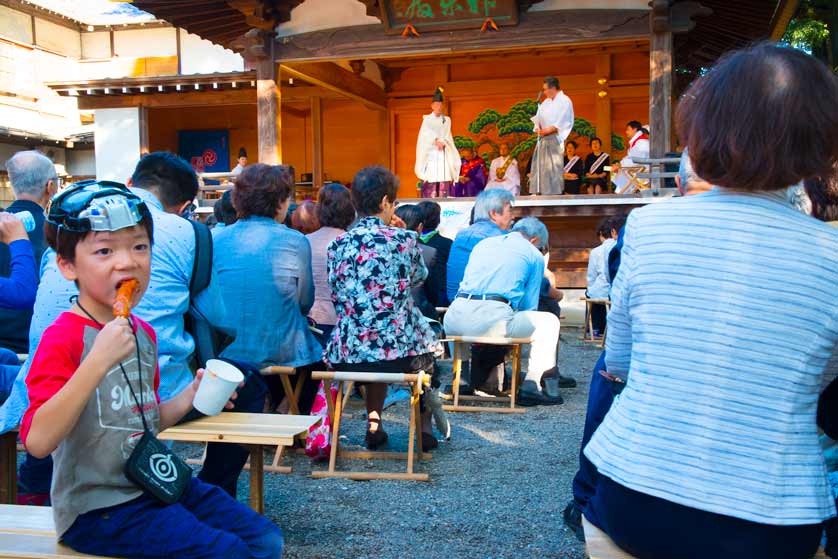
[814,29]
[484,119]
[464,142]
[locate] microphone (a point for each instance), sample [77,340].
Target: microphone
[540,95]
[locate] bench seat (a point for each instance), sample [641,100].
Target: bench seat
[30,532]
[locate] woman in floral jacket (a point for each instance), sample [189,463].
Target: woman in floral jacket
[371,270]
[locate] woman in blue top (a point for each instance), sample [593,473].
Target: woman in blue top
[264,271]
[724,328]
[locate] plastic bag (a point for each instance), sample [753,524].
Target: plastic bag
[319,440]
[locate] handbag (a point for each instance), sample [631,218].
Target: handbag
[152,466]
[319,440]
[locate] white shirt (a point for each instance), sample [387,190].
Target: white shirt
[511,180]
[599,284]
[556,112]
[638,148]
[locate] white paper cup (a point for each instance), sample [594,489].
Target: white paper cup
[219,382]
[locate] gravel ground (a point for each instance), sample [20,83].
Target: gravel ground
[497,489]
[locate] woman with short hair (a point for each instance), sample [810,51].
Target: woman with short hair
[335,213]
[724,328]
[264,273]
[371,270]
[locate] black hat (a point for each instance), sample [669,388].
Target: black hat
[438,95]
[242,152]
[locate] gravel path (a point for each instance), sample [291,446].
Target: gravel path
[497,488]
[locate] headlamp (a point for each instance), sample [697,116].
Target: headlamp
[96,206]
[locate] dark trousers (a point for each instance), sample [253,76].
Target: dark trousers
[205,523]
[598,317]
[651,528]
[600,397]
[224,461]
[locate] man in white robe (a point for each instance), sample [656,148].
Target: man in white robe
[504,173]
[437,159]
[553,123]
[638,148]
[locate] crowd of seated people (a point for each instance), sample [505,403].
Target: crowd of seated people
[722,337]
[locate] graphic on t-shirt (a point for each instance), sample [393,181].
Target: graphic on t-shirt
[114,397]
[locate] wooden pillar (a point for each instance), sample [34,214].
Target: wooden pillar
[317,141]
[268,114]
[603,103]
[143,124]
[660,96]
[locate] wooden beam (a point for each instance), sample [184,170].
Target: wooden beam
[143,122]
[161,100]
[317,141]
[334,78]
[268,114]
[574,84]
[541,29]
[782,18]
[603,104]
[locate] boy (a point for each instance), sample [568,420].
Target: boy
[84,383]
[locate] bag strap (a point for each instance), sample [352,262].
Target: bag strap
[202,264]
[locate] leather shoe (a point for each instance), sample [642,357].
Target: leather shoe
[550,387]
[375,439]
[573,520]
[465,389]
[566,382]
[429,442]
[530,395]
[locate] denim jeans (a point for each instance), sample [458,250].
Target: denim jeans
[600,397]
[206,523]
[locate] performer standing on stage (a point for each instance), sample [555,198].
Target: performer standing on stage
[504,172]
[472,179]
[595,165]
[553,123]
[638,148]
[437,160]
[573,169]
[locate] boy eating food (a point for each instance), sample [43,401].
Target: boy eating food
[94,404]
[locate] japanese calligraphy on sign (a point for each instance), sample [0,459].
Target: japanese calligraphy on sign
[447,15]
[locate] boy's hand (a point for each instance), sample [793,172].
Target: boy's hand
[114,343]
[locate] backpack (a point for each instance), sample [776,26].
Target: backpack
[209,340]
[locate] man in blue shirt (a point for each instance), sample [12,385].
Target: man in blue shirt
[499,297]
[492,216]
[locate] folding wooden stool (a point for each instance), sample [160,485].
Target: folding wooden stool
[461,348]
[416,382]
[589,324]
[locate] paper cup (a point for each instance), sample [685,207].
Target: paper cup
[219,382]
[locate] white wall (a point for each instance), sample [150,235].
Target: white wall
[143,43]
[81,162]
[116,135]
[57,38]
[314,15]
[96,44]
[15,25]
[546,5]
[198,56]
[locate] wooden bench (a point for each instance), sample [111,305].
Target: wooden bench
[461,347]
[254,429]
[589,324]
[346,380]
[293,395]
[8,467]
[30,532]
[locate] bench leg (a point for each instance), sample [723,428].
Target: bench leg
[458,367]
[257,478]
[293,406]
[412,435]
[516,373]
[334,413]
[8,468]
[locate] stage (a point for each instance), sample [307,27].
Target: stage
[571,221]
